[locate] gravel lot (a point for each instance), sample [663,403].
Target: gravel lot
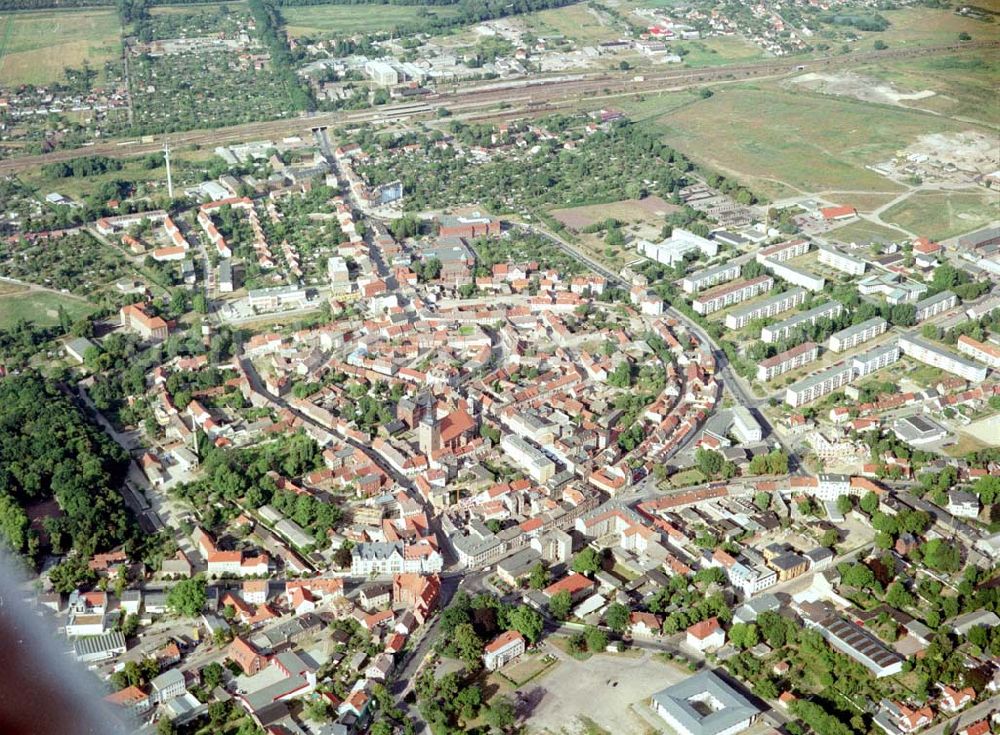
[575,689]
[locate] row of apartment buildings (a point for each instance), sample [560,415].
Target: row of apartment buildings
[826,381]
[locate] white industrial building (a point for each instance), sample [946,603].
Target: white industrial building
[674,248]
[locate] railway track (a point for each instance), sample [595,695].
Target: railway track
[528,93]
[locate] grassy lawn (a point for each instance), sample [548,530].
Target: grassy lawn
[35,47]
[575,22]
[687,478]
[940,215]
[783,143]
[862,231]
[527,669]
[719,50]
[39,307]
[652,106]
[343,20]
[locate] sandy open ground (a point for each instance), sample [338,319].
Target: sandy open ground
[573,690]
[985,430]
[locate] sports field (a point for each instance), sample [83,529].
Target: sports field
[784,143]
[940,215]
[36,46]
[343,20]
[39,307]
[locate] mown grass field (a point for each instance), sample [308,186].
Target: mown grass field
[940,215]
[39,307]
[342,20]
[784,143]
[36,46]
[863,231]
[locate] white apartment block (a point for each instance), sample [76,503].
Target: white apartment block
[338,273]
[936,304]
[710,277]
[772,305]
[745,426]
[268,299]
[783,251]
[784,329]
[841,261]
[795,276]
[937,357]
[875,359]
[721,297]
[816,386]
[851,337]
[988,353]
[787,361]
[533,460]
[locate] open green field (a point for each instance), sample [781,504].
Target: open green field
[188,8]
[36,46]
[965,85]
[717,51]
[863,202]
[343,20]
[39,307]
[918,26]
[940,215]
[784,143]
[576,22]
[863,231]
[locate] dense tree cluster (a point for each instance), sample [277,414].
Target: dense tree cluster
[48,450]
